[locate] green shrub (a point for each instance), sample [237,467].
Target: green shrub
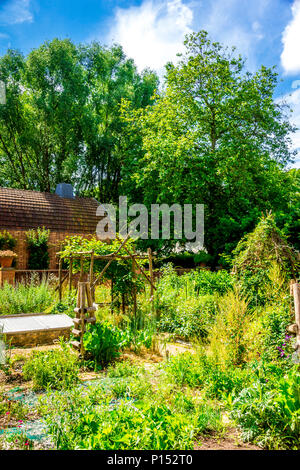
[276,342]
[228,338]
[33,298]
[37,242]
[269,412]
[7,241]
[88,420]
[257,254]
[210,282]
[189,319]
[130,388]
[204,372]
[187,305]
[124,369]
[104,342]
[57,369]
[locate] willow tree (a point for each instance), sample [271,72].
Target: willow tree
[62,118]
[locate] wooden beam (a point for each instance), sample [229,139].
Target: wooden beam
[134,288]
[91,276]
[111,260]
[139,266]
[296,293]
[62,281]
[59,278]
[81,269]
[70,274]
[151,272]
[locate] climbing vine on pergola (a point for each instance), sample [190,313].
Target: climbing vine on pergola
[115,260]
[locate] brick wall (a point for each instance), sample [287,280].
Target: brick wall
[55,240]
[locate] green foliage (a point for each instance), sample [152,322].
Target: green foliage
[91,421]
[228,338]
[190,319]
[55,369]
[104,342]
[217,127]
[120,271]
[7,241]
[200,371]
[270,415]
[31,298]
[258,254]
[209,282]
[67,125]
[187,305]
[12,410]
[124,369]
[37,242]
[66,305]
[276,342]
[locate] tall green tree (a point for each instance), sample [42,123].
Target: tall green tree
[215,136]
[40,126]
[62,117]
[111,77]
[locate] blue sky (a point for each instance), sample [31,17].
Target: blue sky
[151,31]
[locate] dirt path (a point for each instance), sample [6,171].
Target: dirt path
[231,440]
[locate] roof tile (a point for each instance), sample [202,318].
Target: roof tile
[22,209]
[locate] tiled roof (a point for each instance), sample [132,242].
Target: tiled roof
[20,209]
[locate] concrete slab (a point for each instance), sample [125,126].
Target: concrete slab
[26,323]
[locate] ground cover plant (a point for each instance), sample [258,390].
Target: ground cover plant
[52,369]
[129,414]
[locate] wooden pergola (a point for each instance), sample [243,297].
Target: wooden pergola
[86,290]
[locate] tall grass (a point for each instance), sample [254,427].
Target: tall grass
[32,298]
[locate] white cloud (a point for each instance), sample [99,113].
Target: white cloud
[290,57]
[152,33]
[16,12]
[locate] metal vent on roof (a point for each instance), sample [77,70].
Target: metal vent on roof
[65,190]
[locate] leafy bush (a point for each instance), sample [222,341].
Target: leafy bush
[88,420]
[187,304]
[189,319]
[104,342]
[204,372]
[33,298]
[276,342]
[66,305]
[209,282]
[7,241]
[124,369]
[269,414]
[37,242]
[13,410]
[56,369]
[228,338]
[256,255]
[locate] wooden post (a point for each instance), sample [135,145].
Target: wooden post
[134,288]
[70,274]
[112,295]
[81,269]
[82,312]
[91,279]
[59,278]
[151,273]
[84,305]
[296,293]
